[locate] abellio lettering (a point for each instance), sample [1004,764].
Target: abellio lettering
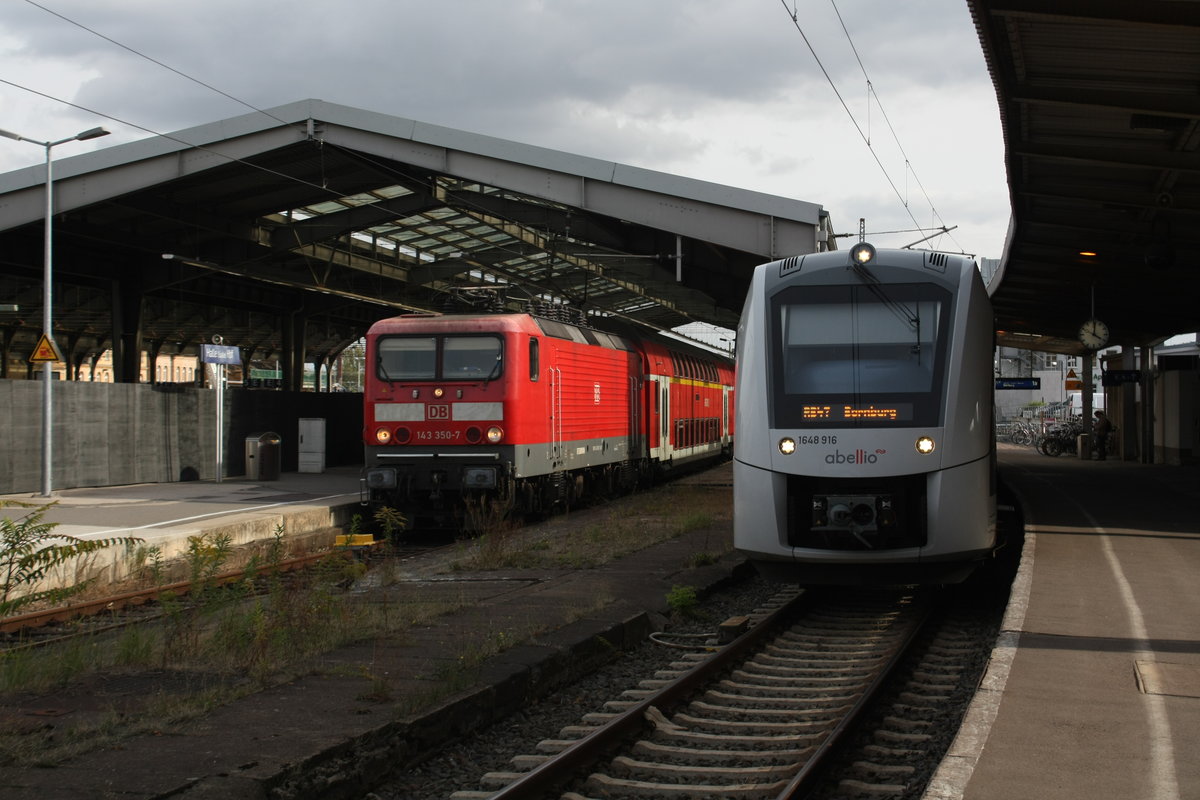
[857,457]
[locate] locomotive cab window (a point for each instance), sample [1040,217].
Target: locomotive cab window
[407,358]
[447,358]
[860,355]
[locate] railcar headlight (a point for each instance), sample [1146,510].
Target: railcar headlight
[787,445]
[383,435]
[495,434]
[925,445]
[862,253]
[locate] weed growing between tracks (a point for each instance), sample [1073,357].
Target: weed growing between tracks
[30,552]
[650,518]
[217,644]
[207,648]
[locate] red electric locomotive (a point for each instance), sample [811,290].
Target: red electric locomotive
[526,411]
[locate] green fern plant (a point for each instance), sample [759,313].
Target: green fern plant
[30,550]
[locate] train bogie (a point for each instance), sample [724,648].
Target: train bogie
[864,450]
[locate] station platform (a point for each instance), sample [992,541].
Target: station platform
[1093,689]
[164,515]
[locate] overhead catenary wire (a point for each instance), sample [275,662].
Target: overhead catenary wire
[140,54]
[333,191]
[865,135]
[323,186]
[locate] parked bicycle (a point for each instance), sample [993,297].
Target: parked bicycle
[1020,432]
[1061,438]
[1023,433]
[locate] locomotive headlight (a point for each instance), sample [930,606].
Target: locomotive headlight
[383,435]
[495,434]
[787,445]
[862,253]
[438,392]
[925,445]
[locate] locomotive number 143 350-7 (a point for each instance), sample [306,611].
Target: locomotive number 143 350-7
[437,436]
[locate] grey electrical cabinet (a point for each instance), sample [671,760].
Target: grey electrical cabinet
[312,444]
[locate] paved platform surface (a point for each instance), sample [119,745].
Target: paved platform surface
[164,515]
[1094,688]
[164,511]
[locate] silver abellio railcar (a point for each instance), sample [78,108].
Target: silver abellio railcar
[865,449]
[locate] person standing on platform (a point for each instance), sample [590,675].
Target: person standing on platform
[1101,428]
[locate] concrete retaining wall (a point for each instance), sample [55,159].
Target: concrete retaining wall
[112,434]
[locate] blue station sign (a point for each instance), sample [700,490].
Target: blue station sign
[220,354]
[1115,377]
[1018,383]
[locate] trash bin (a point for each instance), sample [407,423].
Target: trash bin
[1083,446]
[262,456]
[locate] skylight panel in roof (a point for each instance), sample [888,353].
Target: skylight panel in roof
[361,199]
[327,207]
[388,192]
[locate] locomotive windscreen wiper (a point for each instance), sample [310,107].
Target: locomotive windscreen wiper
[382,369]
[496,370]
[902,311]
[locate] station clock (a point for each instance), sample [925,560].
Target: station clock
[1093,334]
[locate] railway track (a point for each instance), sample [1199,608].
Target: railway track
[756,718]
[50,626]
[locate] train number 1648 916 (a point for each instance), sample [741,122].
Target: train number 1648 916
[816,439]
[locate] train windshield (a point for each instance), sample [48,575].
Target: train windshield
[445,358]
[850,356]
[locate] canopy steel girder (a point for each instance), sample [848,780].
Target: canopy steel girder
[376,214]
[1101,123]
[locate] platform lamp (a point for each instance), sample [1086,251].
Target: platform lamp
[47,296]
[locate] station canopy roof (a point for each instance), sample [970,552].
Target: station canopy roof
[1100,109]
[340,217]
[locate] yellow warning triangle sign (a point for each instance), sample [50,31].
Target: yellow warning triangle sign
[1071,374]
[45,351]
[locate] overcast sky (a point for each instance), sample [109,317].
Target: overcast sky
[720,90]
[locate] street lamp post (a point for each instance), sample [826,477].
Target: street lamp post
[47,297]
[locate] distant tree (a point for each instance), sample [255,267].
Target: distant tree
[351,365]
